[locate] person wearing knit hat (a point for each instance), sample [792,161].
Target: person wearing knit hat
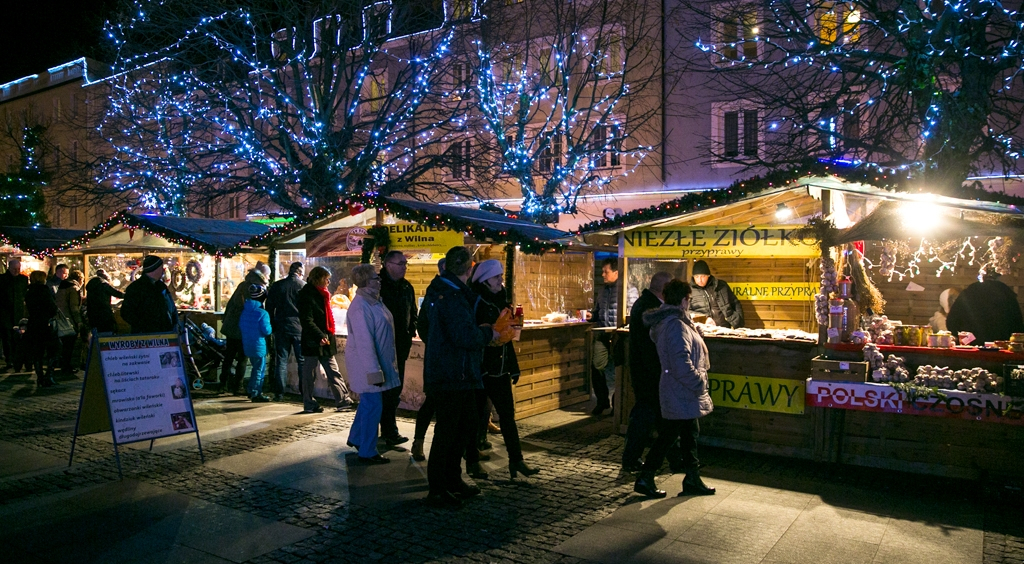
[713,298]
[487,269]
[148,305]
[283,306]
[232,370]
[254,323]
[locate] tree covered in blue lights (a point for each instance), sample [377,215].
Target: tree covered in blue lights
[564,99]
[22,202]
[294,104]
[929,87]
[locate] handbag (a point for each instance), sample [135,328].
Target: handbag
[63,325]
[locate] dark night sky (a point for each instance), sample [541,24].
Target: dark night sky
[37,34]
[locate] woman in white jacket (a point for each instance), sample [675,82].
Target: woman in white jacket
[370,360]
[683,390]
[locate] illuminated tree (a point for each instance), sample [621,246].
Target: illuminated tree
[299,104]
[932,88]
[564,94]
[21,191]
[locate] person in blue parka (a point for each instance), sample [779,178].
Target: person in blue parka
[255,326]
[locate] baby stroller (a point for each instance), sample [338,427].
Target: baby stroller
[205,350]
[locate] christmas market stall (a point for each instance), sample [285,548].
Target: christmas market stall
[34,246]
[545,274]
[902,389]
[749,236]
[206,258]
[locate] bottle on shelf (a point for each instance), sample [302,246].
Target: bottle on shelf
[843,313]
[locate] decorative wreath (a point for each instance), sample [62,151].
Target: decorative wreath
[177,279]
[193,271]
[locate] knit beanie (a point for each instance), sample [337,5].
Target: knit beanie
[487,270]
[151,263]
[701,267]
[257,292]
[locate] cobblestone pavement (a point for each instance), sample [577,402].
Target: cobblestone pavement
[580,484]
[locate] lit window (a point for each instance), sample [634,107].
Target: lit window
[739,32]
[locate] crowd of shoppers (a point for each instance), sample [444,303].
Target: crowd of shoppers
[470,364]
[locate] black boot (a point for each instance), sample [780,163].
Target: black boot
[520,467]
[693,485]
[645,485]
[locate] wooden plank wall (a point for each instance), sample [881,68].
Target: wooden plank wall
[554,363]
[765,314]
[916,308]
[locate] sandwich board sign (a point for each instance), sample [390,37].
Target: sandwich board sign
[135,388]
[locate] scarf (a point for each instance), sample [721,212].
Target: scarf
[327,307]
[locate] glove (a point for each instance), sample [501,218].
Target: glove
[515,379]
[504,327]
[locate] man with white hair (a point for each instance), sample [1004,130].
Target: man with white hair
[13,285]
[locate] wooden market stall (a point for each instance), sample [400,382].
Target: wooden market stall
[775,390]
[544,273]
[206,258]
[915,247]
[758,372]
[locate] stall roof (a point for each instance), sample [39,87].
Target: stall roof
[37,240]
[702,202]
[209,236]
[480,224]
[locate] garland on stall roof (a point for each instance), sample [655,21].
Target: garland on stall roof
[395,208]
[741,189]
[130,221]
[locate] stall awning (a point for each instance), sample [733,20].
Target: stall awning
[483,226]
[37,240]
[210,236]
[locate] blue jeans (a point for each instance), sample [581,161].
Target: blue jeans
[284,343]
[363,433]
[259,368]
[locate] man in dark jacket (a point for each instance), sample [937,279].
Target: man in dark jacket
[60,274]
[148,306]
[988,308]
[283,307]
[606,314]
[13,285]
[97,302]
[645,375]
[399,297]
[451,374]
[714,298]
[232,371]
[319,344]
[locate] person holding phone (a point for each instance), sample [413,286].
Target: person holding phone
[370,360]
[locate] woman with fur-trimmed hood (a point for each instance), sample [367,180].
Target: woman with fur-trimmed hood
[683,390]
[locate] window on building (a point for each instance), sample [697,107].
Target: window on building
[551,156]
[547,67]
[375,92]
[735,130]
[609,53]
[738,32]
[462,9]
[56,157]
[605,144]
[377,21]
[460,159]
[282,46]
[74,151]
[56,109]
[462,83]
[838,22]
[511,67]
[73,220]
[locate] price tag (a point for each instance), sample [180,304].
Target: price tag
[844,365]
[833,332]
[835,309]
